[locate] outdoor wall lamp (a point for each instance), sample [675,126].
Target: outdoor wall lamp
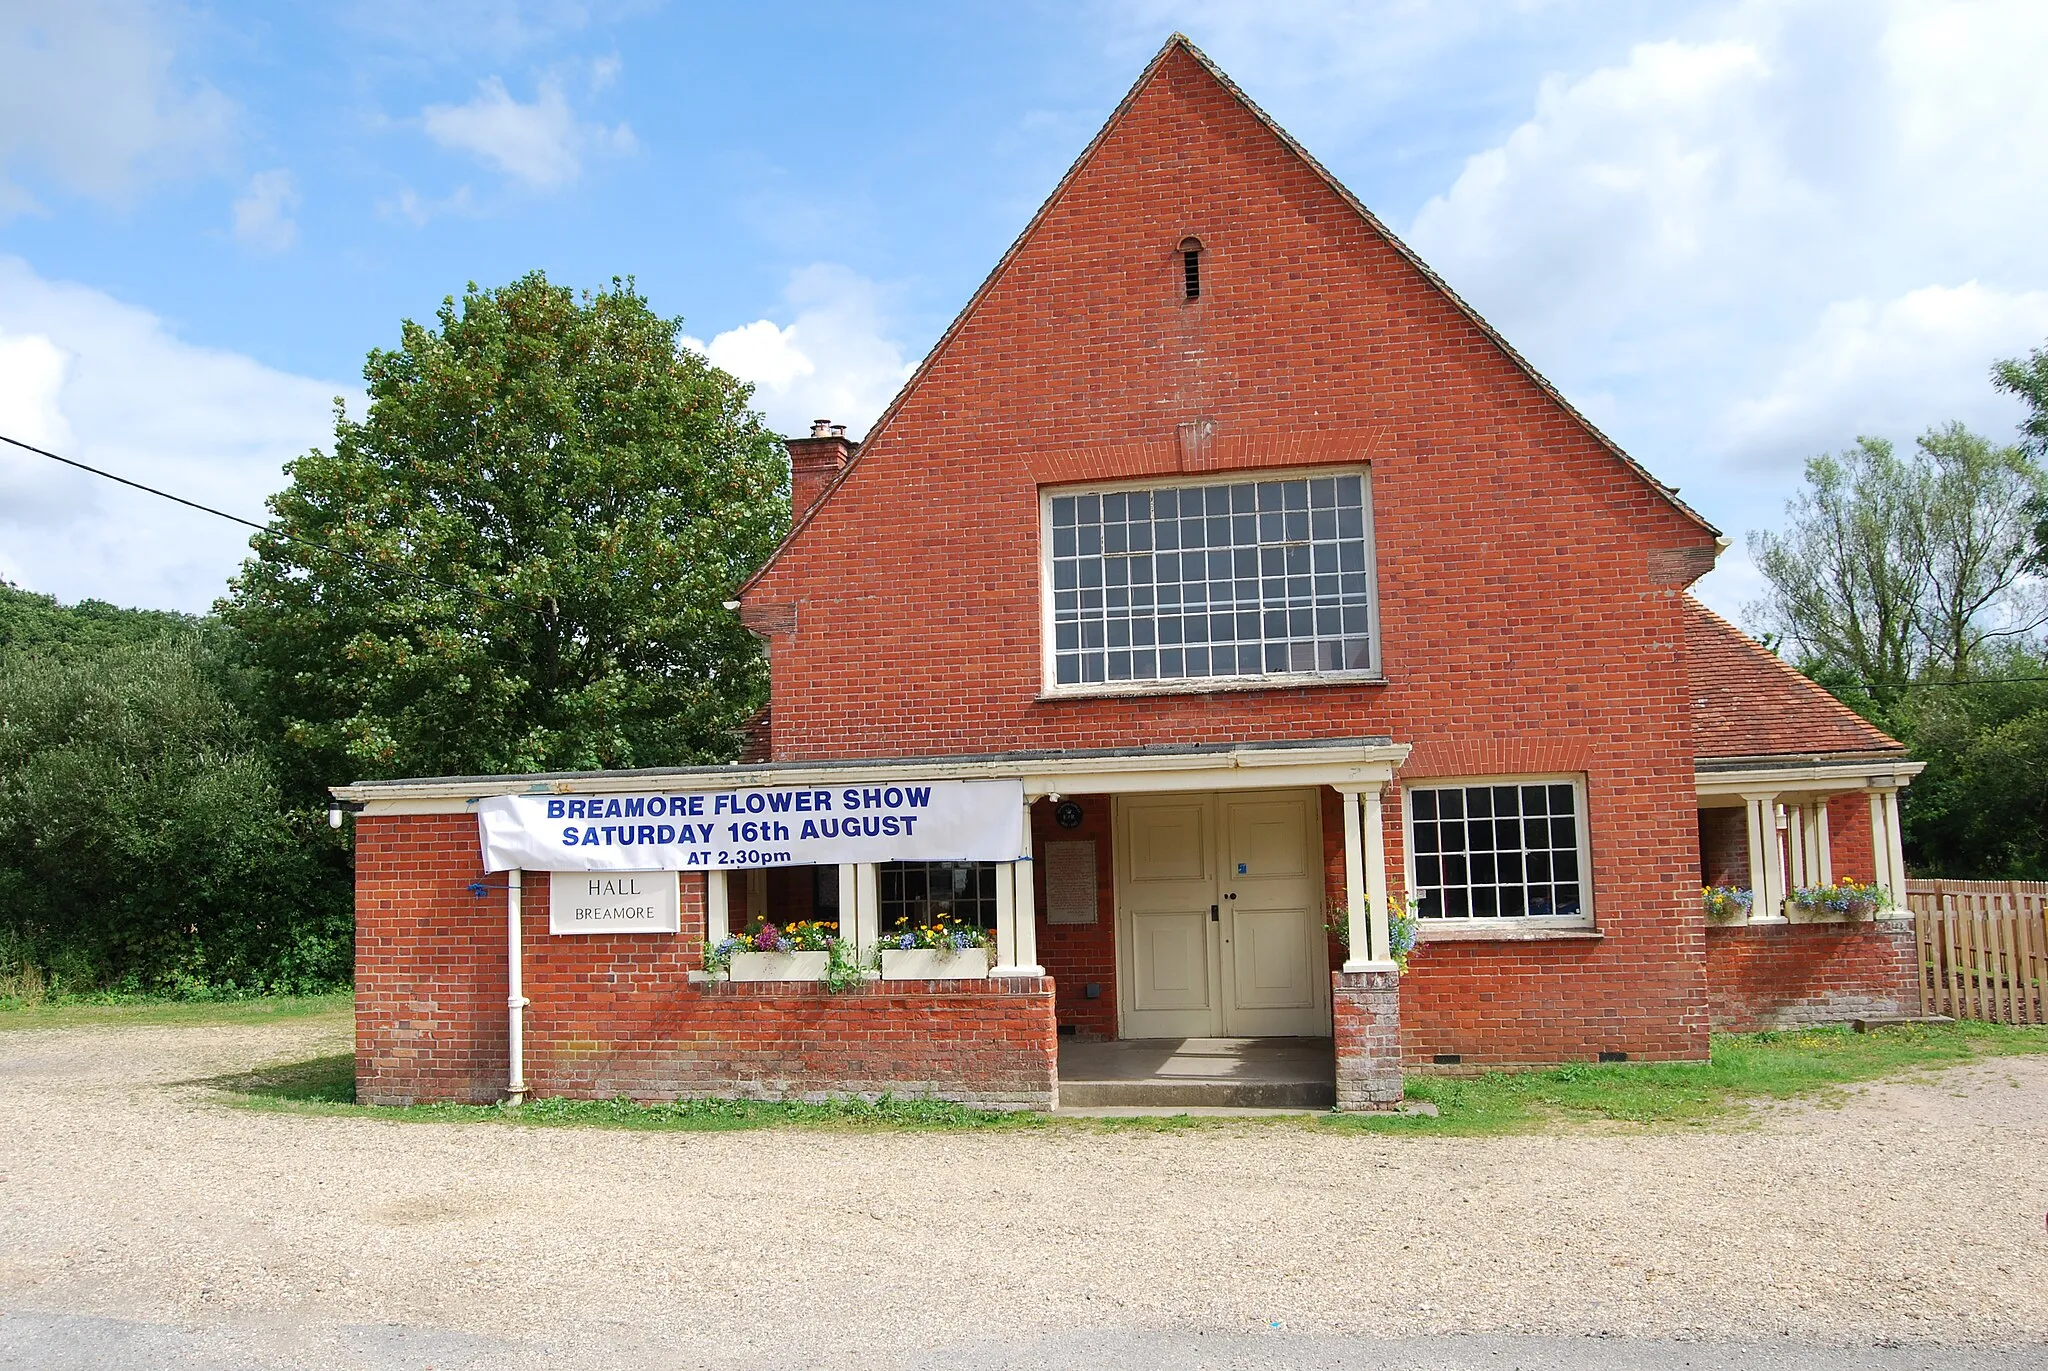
[337,808]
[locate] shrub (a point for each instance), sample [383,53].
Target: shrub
[144,845]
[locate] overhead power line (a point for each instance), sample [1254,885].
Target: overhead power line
[1953,681]
[356,557]
[137,485]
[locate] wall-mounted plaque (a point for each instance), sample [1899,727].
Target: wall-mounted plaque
[1070,884]
[613,902]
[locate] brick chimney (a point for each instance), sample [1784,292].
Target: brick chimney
[814,461]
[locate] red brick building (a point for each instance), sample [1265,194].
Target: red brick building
[1282,590]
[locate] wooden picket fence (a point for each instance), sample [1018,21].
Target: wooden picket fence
[1983,949]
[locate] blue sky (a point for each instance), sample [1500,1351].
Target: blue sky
[1734,233]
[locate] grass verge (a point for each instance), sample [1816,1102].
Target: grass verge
[1744,1069]
[143,1012]
[327,1085]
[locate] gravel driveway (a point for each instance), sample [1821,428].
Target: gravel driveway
[1913,1213]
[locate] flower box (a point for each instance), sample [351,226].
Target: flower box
[1838,902]
[780,966]
[1804,913]
[935,964]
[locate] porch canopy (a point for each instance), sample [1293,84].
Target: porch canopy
[1357,768]
[1770,741]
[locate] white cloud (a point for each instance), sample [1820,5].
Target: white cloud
[90,103]
[1895,368]
[1806,220]
[542,144]
[833,360]
[411,206]
[450,29]
[762,353]
[107,383]
[263,213]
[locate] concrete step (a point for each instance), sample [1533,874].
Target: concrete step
[1156,1093]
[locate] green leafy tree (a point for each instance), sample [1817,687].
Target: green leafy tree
[1893,569]
[143,839]
[1842,594]
[1980,810]
[29,620]
[2027,378]
[518,560]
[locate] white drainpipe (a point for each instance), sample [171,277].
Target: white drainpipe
[515,998]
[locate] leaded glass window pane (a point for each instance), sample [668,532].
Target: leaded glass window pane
[914,894]
[1496,851]
[1223,579]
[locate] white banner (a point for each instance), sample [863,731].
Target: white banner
[718,830]
[613,902]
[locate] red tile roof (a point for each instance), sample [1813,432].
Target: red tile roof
[1746,702]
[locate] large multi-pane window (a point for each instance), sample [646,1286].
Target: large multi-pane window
[917,893]
[1221,579]
[1498,851]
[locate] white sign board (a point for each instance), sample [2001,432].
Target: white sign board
[613,902]
[719,830]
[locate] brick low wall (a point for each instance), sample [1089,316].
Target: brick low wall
[1783,975]
[617,1014]
[991,1045]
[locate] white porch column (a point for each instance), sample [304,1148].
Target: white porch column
[1006,922]
[1753,808]
[1025,903]
[1766,859]
[1774,861]
[1365,879]
[1795,846]
[849,905]
[867,905]
[1893,861]
[1376,874]
[1358,924]
[717,908]
[1824,847]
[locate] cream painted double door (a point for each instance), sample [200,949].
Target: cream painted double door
[1219,915]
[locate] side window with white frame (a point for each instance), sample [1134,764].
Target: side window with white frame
[1162,583]
[1499,849]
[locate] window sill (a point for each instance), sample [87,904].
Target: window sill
[1212,686]
[1469,933]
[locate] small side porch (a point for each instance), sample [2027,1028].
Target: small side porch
[1771,826]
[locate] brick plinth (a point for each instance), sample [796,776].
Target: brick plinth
[617,1014]
[1367,1021]
[1762,976]
[990,1044]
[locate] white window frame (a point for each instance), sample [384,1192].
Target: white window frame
[1506,923]
[1048,658]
